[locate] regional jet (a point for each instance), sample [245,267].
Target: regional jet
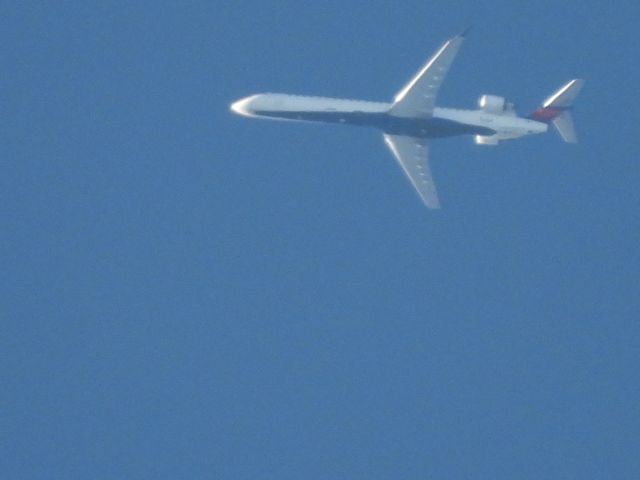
[412,119]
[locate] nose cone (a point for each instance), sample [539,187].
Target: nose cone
[243,106]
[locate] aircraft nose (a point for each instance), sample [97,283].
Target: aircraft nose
[242,106]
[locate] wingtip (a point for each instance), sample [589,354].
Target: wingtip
[464,33]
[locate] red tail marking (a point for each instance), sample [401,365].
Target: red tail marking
[546,114]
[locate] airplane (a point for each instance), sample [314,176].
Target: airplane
[412,119]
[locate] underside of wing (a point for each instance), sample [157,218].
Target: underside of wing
[413,156]
[417,98]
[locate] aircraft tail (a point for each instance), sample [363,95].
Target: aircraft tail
[557,110]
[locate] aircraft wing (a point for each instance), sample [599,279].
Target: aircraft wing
[413,155]
[417,98]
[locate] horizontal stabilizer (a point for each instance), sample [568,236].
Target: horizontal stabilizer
[564,126]
[557,110]
[565,97]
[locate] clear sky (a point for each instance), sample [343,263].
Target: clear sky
[190,294]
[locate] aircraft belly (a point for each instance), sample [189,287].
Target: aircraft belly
[433,127]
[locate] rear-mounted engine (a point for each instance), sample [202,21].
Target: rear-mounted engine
[492,103]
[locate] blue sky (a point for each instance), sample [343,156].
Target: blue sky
[191,294]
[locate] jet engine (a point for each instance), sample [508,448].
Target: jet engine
[492,104]
[486,140]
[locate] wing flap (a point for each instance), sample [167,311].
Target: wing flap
[413,156]
[417,98]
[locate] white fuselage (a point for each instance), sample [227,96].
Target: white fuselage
[412,119]
[489,128]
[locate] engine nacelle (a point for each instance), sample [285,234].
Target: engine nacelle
[492,104]
[486,140]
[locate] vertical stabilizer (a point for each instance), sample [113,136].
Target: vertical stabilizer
[557,110]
